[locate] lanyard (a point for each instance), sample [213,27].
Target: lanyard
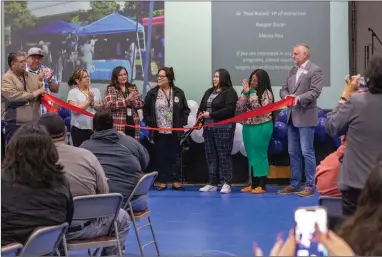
[126,93]
[168,98]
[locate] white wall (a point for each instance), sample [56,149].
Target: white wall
[188,42]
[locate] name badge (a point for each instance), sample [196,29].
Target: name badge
[169,116]
[129,112]
[305,72]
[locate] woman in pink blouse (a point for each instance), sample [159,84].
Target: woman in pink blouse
[257,131]
[123,100]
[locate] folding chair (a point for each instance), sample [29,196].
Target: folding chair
[142,187]
[11,249]
[95,207]
[44,240]
[333,207]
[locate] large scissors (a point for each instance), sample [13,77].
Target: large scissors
[198,124]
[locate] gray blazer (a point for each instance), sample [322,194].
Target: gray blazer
[308,88]
[360,118]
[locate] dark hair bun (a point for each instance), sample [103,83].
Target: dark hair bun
[71,81]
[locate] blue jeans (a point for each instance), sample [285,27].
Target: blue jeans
[140,203]
[101,227]
[300,144]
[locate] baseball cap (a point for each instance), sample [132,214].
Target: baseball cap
[54,124]
[35,51]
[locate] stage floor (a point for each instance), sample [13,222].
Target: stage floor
[192,223]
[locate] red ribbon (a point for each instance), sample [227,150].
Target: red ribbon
[288,101]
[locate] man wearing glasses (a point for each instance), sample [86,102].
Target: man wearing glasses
[20,94]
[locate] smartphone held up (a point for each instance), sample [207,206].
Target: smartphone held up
[306,219]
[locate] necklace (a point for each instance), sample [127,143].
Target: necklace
[83,92]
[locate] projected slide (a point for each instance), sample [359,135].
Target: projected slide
[261,35]
[95,35]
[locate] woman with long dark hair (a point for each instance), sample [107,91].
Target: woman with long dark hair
[34,190]
[166,107]
[123,100]
[219,103]
[257,131]
[83,96]
[363,231]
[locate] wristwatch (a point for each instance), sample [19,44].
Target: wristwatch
[343,98]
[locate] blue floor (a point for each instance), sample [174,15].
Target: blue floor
[192,223]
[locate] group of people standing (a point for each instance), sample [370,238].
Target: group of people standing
[165,107]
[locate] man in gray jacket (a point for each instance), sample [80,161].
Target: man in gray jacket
[358,115]
[305,83]
[122,157]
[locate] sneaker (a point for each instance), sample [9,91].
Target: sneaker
[226,189]
[306,192]
[287,190]
[208,188]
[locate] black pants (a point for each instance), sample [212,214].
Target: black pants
[350,201]
[80,135]
[218,144]
[167,157]
[130,131]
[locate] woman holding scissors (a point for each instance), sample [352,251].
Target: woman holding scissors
[124,101]
[257,131]
[218,104]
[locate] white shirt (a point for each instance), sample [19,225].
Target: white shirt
[82,121]
[300,70]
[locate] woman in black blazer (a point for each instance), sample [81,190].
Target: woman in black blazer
[219,103]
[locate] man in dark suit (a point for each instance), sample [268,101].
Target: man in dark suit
[305,82]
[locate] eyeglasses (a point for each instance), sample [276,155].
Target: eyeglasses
[161,76]
[22,62]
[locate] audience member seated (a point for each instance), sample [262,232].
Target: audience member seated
[358,115]
[122,157]
[86,177]
[34,190]
[327,172]
[363,231]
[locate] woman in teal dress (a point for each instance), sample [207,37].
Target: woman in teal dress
[257,131]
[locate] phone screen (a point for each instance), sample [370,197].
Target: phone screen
[306,240]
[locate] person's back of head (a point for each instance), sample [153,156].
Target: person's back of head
[363,231]
[373,75]
[31,158]
[103,120]
[55,126]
